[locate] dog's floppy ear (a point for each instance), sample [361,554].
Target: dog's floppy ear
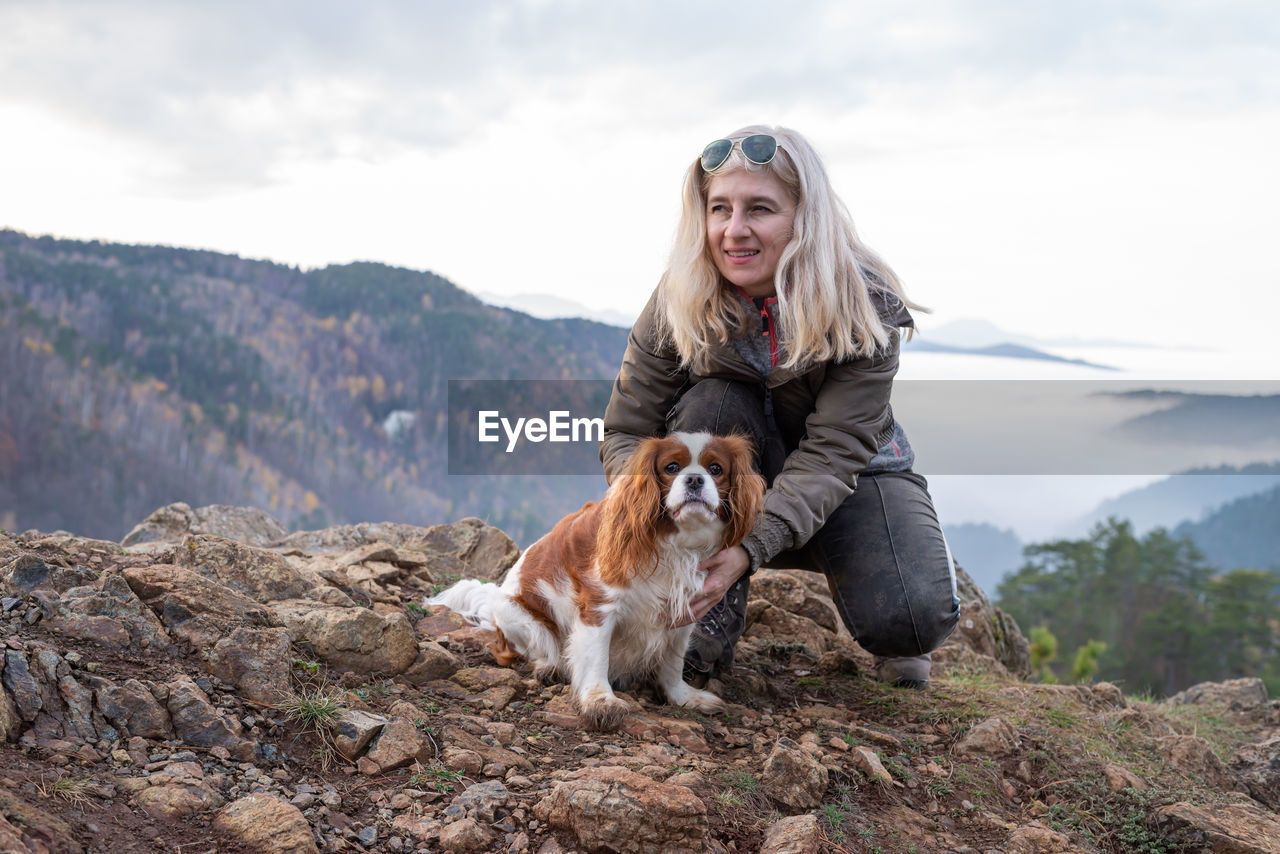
[626,544]
[746,490]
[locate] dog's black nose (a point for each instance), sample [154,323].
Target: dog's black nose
[694,481]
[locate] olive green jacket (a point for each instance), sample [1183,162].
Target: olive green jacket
[835,415]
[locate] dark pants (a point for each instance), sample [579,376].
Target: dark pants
[882,550]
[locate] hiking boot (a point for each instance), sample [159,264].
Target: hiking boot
[905,671]
[710,652]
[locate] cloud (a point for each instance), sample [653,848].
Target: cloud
[221,94]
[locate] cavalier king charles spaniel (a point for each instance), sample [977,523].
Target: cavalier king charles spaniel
[594,600]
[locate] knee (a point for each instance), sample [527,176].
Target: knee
[718,406]
[914,627]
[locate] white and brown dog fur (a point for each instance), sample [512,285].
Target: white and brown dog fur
[593,601]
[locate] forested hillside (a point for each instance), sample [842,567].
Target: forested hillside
[134,376]
[1165,616]
[1244,532]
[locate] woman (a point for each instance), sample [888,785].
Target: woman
[775,321]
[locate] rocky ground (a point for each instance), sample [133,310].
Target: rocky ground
[215,684]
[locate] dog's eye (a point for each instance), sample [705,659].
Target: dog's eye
[715,469]
[672,468]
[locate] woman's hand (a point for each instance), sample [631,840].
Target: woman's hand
[723,568]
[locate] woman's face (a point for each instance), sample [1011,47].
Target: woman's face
[750,219]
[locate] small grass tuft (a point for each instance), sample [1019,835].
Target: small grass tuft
[74,790]
[313,709]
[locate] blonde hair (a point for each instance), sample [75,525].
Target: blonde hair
[824,277]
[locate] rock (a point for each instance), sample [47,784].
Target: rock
[1236,695]
[108,612]
[1037,839]
[170,524]
[483,801]
[467,548]
[354,639]
[1258,767]
[256,661]
[1231,829]
[28,572]
[354,730]
[866,761]
[469,763]
[1109,695]
[1142,717]
[17,677]
[1194,758]
[986,630]
[132,709]
[259,574]
[992,737]
[1122,778]
[675,731]
[10,720]
[797,834]
[268,824]
[194,608]
[421,829]
[25,828]
[433,662]
[480,679]
[177,800]
[196,722]
[613,809]
[792,777]
[380,552]
[782,588]
[466,835]
[767,623]
[485,747]
[396,745]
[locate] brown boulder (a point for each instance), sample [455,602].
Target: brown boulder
[132,709]
[177,800]
[106,609]
[1231,829]
[767,624]
[25,827]
[992,737]
[1258,767]
[171,523]
[613,809]
[797,834]
[27,572]
[467,548]
[355,639]
[1192,756]
[256,661]
[1235,695]
[986,630]
[784,589]
[793,777]
[257,573]
[466,835]
[199,724]
[195,608]
[267,824]
[396,745]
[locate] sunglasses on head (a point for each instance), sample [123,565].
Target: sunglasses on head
[759,148]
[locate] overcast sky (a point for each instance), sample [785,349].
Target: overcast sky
[1087,168]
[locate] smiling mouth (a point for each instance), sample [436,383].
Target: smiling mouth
[742,253]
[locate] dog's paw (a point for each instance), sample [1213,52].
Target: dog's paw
[704,701]
[602,710]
